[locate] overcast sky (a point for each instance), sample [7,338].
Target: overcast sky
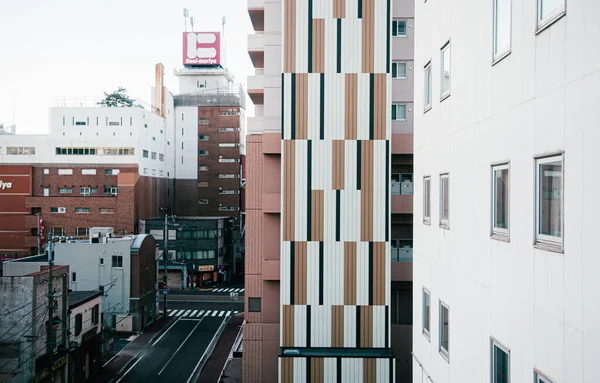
[74,49]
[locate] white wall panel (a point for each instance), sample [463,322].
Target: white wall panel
[329,213]
[312,273]
[334,106]
[352,9]
[300,192]
[383,372]
[378,326]
[314,106]
[363,95]
[330,370]
[300,370]
[320,335]
[380,219]
[362,273]
[352,370]
[321,165]
[351,44]
[350,163]
[350,326]
[350,224]
[287,106]
[322,9]
[285,268]
[330,48]
[380,40]
[301,36]
[300,325]
[333,293]
[388,111]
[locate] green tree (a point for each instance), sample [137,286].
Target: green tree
[117,98]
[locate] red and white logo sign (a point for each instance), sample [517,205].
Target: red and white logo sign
[201,48]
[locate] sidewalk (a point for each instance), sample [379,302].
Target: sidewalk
[213,367]
[130,352]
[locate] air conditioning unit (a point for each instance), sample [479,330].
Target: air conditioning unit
[62,210]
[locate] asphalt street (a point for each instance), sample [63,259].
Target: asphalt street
[179,353]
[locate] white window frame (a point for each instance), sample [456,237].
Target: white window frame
[445,223]
[555,15]
[497,231]
[427,200]
[395,31]
[397,64]
[396,106]
[428,91]
[498,53]
[542,239]
[539,377]
[445,93]
[444,352]
[425,331]
[495,343]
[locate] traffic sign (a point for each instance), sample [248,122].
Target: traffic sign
[165,292]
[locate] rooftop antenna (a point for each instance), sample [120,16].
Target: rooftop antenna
[192,23]
[186,14]
[223,20]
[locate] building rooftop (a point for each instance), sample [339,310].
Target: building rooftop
[179,218]
[77,298]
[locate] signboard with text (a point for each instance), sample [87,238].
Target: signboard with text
[201,48]
[206,268]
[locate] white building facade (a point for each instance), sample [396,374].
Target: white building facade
[505,262]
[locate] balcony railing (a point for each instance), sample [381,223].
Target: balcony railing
[402,254]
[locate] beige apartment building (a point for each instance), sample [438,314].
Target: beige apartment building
[329,191]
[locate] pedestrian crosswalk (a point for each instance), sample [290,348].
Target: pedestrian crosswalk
[200,313]
[228,290]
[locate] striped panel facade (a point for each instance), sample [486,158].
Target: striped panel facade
[335,217]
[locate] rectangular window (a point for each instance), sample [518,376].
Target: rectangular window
[254,305]
[65,172]
[145,170]
[61,210]
[227,145]
[86,192]
[58,231]
[153,155]
[88,172]
[161,157]
[95,314]
[203,184]
[224,130]
[500,363]
[114,190]
[399,70]
[203,168]
[427,89]
[548,11]
[117,261]
[182,146]
[203,137]
[81,231]
[65,190]
[46,192]
[106,210]
[502,28]
[203,152]
[500,199]
[401,306]
[549,201]
[399,28]
[145,153]
[538,377]
[444,331]
[78,324]
[427,200]
[203,121]
[398,112]
[445,67]
[445,200]
[426,314]
[73,276]
[203,201]
[82,210]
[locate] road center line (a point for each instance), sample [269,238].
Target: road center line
[130,368]
[179,348]
[206,351]
[164,333]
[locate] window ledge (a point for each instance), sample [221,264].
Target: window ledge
[445,226]
[549,247]
[426,335]
[427,222]
[551,20]
[427,109]
[501,57]
[445,355]
[500,237]
[444,96]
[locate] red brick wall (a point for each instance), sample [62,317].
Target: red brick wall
[15,218]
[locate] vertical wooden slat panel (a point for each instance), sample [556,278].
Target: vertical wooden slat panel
[287,370]
[338,149]
[369,370]
[316,215]
[317,370]
[349,273]
[368,33]
[379,274]
[318,45]
[350,106]
[290,36]
[380,106]
[289,185]
[288,326]
[339,9]
[301,106]
[300,273]
[366,326]
[337,326]
[366,194]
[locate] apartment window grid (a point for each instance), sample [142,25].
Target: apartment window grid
[117,261]
[444,341]
[445,201]
[538,377]
[398,112]
[65,190]
[82,231]
[399,70]
[500,200]
[399,28]
[549,11]
[153,155]
[427,200]
[427,90]
[87,191]
[502,24]
[549,201]
[203,152]
[426,314]
[145,153]
[500,363]
[445,71]
[82,210]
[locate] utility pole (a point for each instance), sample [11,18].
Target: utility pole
[165,253]
[50,333]
[39,233]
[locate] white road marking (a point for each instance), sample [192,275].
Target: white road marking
[242,290]
[200,313]
[130,368]
[205,351]
[217,290]
[207,313]
[215,313]
[228,313]
[173,312]
[193,313]
[164,333]
[235,312]
[186,313]
[179,313]
[221,313]
[179,348]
